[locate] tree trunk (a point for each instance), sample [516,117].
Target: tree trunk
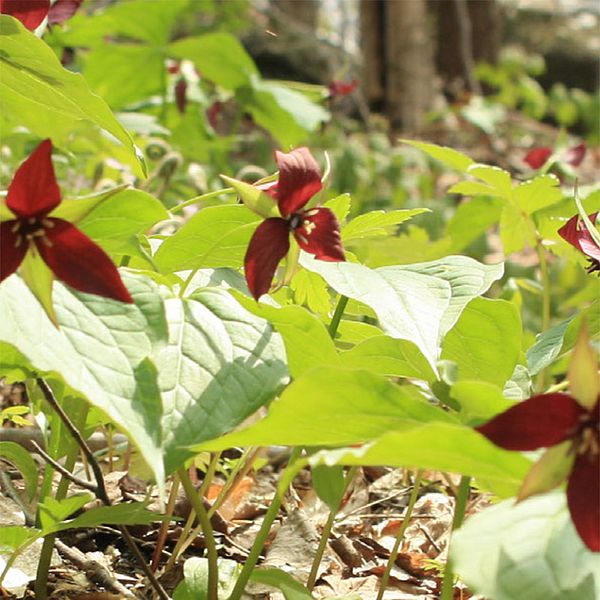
[300,11]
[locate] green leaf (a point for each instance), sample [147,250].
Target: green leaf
[307,343]
[216,236]
[377,223]
[52,512]
[546,348]
[471,188]
[471,220]
[125,73]
[516,230]
[448,447]
[38,93]
[290,587]
[311,290]
[498,179]
[454,159]
[256,200]
[75,209]
[388,356]
[479,401]
[15,536]
[220,365]
[486,341]
[219,57]
[286,114]
[538,193]
[329,485]
[329,406]
[531,548]
[355,332]
[115,223]
[340,205]
[99,352]
[195,579]
[16,454]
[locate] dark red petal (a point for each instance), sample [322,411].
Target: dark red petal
[576,233]
[543,420]
[269,244]
[320,235]
[30,12]
[299,179]
[181,94]
[11,255]
[583,499]
[81,263]
[33,192]
[575,155]
[62,10]
[537,157]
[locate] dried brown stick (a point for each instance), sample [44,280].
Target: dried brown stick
[100,492]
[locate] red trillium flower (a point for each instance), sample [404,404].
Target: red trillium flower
[573,156]
[338,89]
[316,230]
[569,425]
[577,234]
[73,257]
[30,12]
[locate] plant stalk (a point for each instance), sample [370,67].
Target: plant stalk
[400,535]
[464,489]
[337,315]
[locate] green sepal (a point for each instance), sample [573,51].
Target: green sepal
[256,200]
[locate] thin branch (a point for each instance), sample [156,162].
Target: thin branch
[100,491]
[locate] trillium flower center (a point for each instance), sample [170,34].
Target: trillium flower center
[29,229]
[586,437]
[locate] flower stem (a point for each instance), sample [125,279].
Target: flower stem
[261,538]
[196,199]
[327,532]
[209,539]
[400,536]
[464,489]
[337,315]
[542,381]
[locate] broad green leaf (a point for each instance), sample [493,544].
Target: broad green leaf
[116,223]
[472,188]
[52,512]
[125,73]
[479,401]
[355,332]
[377,223]
[471,220]
[216,236]
[454,159]
[195,579]
[286,114]
[516,230]
[546,348]
[498,179]
[99,352]
[15,536]
[256,200]
[448,447]
[408,305]
[219,57]
[135,513]
[467,277]
[38,93]
[311,290]
[75,209]
[519,386]
[290,587]
[330,406]
[388,356]
[486,341]
[307,343]
[531,550]
[340,205]
[220,365]
[328,483]
[18,456]
[538,193]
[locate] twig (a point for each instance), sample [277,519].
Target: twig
[100,492]
[88,485]
[96,572]
[8,489]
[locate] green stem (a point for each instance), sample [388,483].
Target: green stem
[337,315]
[261,538]
[325,534]
[543,377]
[464,489]
[209,538]
[197,199]
[400,536]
